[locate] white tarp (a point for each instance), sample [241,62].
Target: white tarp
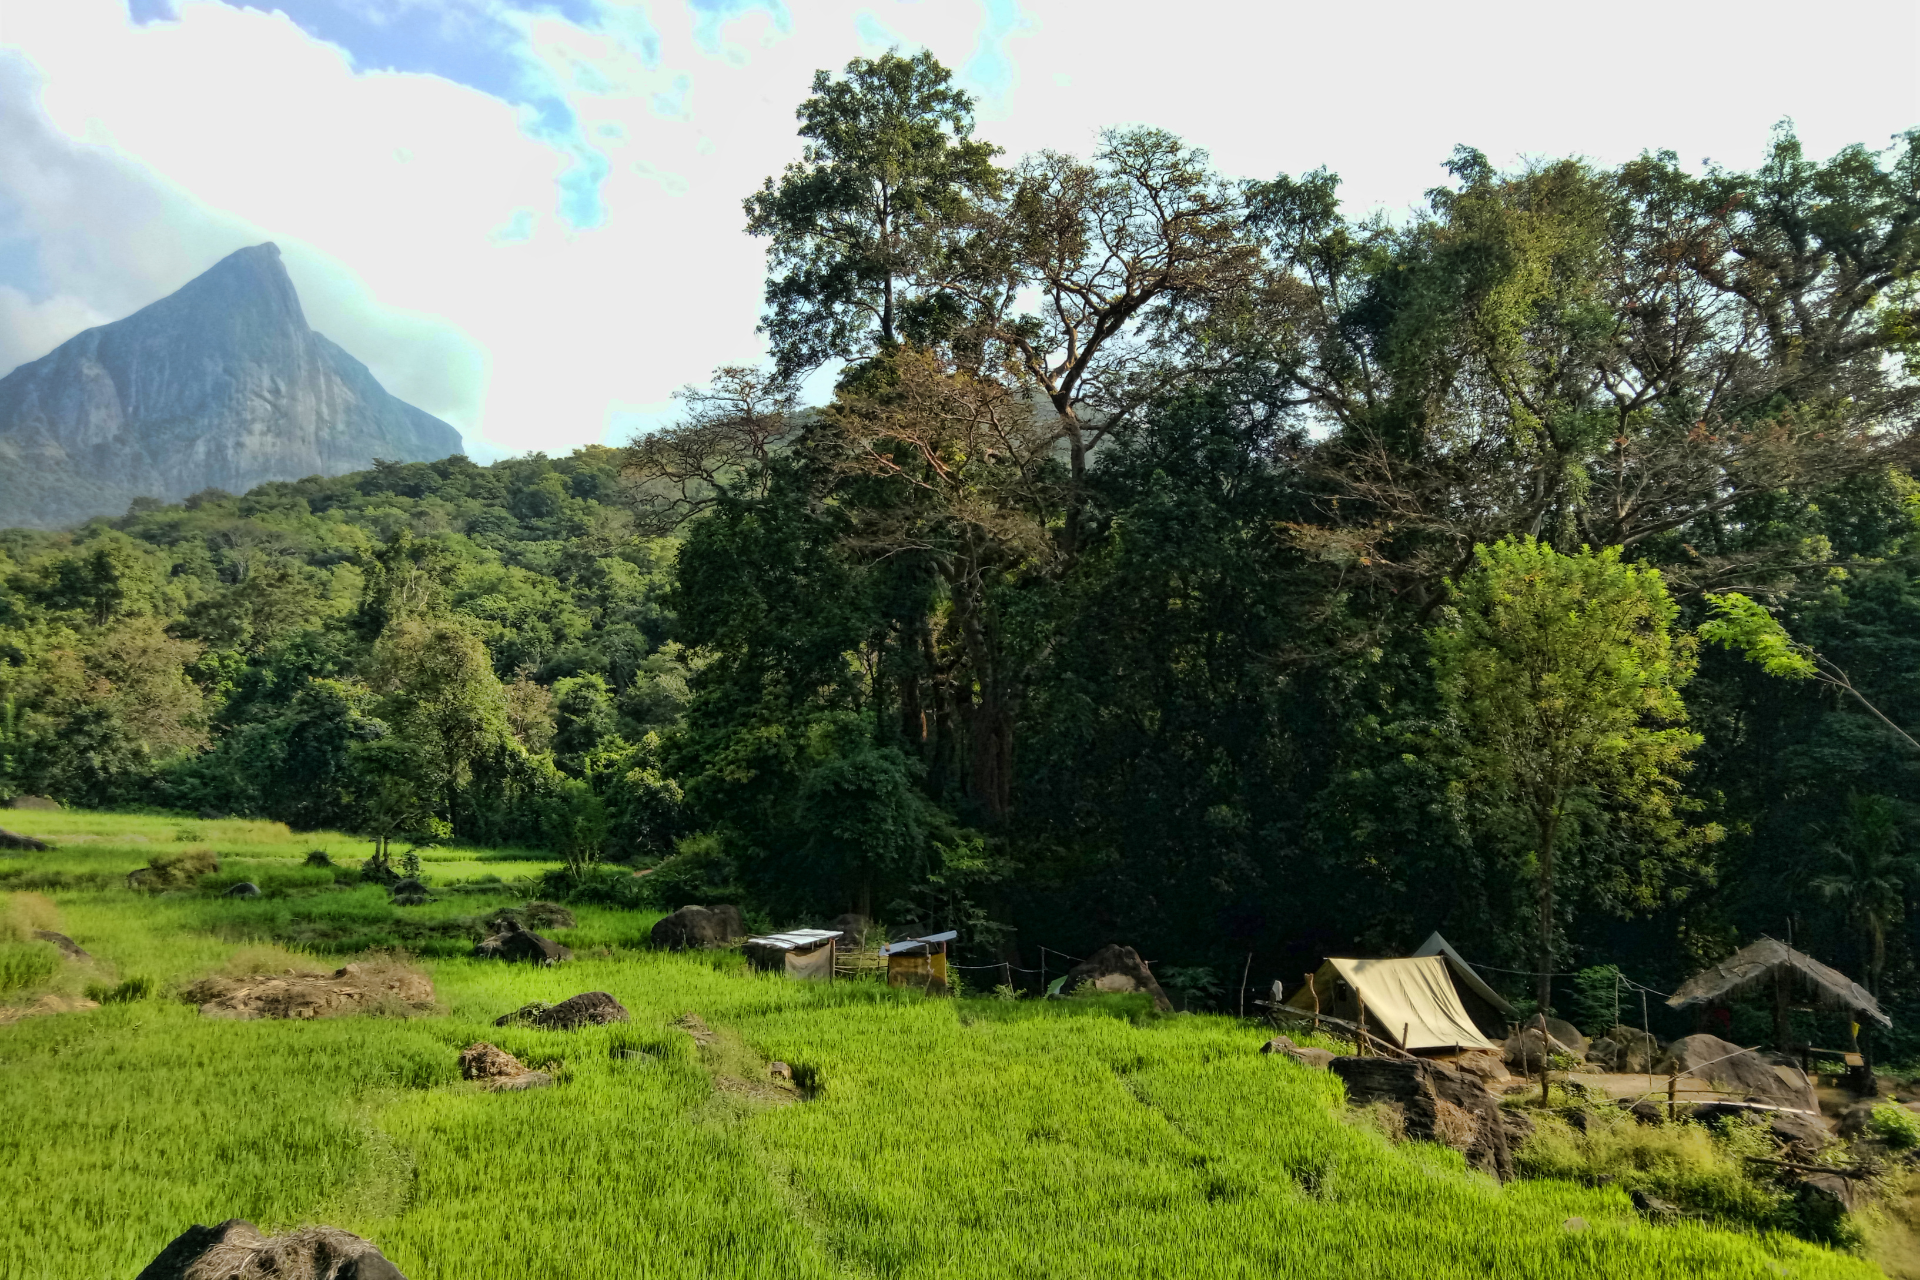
[1408,1001]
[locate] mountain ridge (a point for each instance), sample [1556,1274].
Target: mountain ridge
[220,384]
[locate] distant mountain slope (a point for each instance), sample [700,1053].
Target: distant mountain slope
[220,385]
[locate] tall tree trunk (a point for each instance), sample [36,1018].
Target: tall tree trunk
[1549,828]
[990,752]
[989,712]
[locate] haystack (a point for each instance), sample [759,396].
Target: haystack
[354,988]
[235,1250]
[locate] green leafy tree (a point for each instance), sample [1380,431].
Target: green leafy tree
[859,224]
[585,718]
[441,695]
[389,773]
[1561,676]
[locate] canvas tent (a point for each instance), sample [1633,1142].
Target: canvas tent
[800,953]
[1488,1008]
[1410,1002]
[919,962]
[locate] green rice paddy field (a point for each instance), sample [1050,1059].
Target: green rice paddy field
[968,1137]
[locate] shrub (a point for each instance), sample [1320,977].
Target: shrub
[1684,1163]
[1895,1126]
[133,989]
[175,870]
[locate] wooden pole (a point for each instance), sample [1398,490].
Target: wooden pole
[1314,988]
[1360,1041]
[1243,984]
[1673,1095]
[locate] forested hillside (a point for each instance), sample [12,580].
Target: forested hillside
[1127,588]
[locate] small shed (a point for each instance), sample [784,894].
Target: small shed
[1792,978]
[799,953]
[1410,1002]
[1488,1008]
[919,962]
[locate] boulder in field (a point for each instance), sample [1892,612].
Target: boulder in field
[68,947]
[495,1069]
[1305,1055]
[235,1250]
[523,945]
[408,892]
[1741,1072]
[33,802]
[1116,968]
[1625,1051]
[14,840]
[245,889]
[692,927]
[588,1009]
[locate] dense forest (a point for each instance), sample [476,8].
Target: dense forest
[1178,561]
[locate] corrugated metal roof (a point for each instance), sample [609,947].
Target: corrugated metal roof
[907,946]
[794,939]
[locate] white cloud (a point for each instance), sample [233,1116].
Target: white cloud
[421,218]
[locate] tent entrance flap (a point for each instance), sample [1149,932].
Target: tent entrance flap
[1411,1002]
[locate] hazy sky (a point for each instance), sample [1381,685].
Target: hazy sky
[524,215]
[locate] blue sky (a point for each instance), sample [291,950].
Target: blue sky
[525,214]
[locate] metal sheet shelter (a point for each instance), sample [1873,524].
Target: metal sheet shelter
[806,954]
[919,962]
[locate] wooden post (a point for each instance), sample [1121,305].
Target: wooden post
[1360,1041]
[1673,1094]
[1243,984]
[1406,1028]
[1314,988]
[1782,1038]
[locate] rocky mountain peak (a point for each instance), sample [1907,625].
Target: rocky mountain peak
[221,384]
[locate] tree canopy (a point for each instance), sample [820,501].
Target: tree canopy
[1177,559]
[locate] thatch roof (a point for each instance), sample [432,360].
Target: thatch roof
[1754,968]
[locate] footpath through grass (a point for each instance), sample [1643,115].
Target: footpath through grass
[943,1138]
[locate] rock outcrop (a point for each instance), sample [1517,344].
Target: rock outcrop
[68,947]
[496,1069]
[219,385]
[691,927]
[1438,1104]
[588,1009]
[524,945]
[1741,1072]
[1114,968]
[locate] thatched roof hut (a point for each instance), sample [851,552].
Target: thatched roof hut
[1773,967]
